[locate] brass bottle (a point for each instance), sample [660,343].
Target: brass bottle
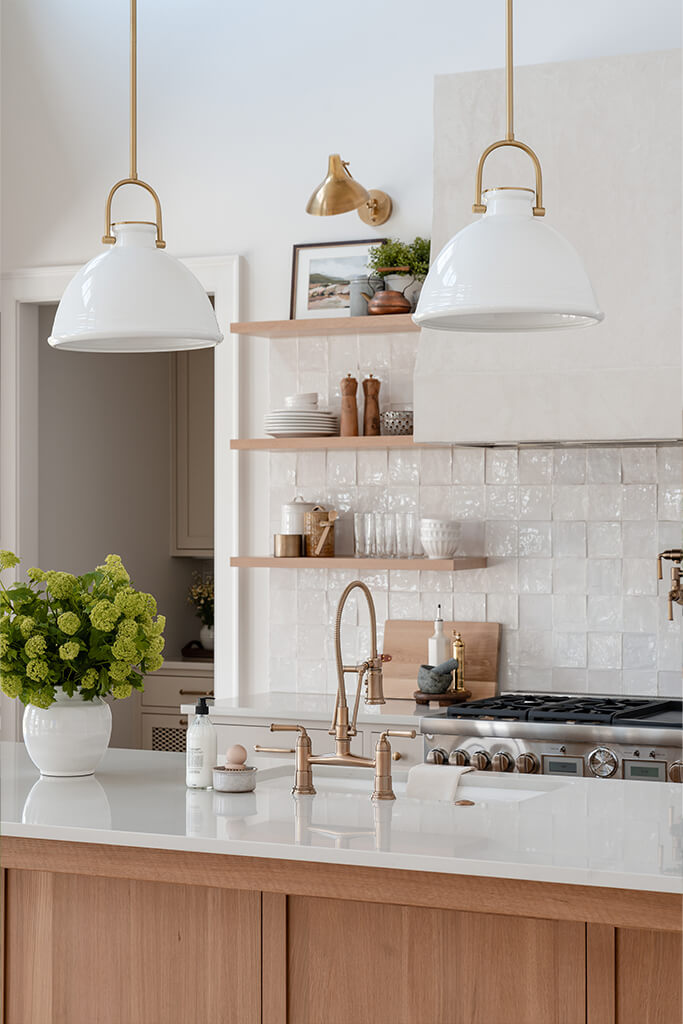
[459,653]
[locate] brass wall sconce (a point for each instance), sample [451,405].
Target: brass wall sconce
[340,192]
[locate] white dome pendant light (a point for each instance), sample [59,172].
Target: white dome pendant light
[508,271]
[134,297]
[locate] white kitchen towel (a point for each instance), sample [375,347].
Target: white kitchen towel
[434,781]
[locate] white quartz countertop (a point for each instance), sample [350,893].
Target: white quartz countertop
[578,831]
[313,707]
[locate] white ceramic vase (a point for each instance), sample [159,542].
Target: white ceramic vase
[206,637]
[70,737]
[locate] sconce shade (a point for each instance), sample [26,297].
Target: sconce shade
[338,193]
[134,298]
[508,271]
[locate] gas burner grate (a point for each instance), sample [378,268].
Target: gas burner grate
[510,707]
[590,710]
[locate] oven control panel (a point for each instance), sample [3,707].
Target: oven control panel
[565,760]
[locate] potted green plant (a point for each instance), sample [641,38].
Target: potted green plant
[200,596]
[412,255]
[65,643]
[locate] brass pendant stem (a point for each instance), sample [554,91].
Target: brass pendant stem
[133,89]
[509,140]
[108,237]
[509,69]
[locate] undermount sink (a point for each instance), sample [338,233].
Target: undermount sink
[480,787]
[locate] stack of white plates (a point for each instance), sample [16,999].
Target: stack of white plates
[301,423]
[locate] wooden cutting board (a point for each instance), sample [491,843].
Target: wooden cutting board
[406,642]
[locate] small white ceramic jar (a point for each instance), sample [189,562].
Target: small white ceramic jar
[293,515]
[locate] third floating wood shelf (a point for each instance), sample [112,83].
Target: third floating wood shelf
[350,562]
[400,323]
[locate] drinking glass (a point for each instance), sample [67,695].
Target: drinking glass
[379,535]
[390,534]
[362,534]
[405,534]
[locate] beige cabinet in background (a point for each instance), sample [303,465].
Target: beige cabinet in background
[192,469]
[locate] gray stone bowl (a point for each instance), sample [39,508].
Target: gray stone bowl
[429,681]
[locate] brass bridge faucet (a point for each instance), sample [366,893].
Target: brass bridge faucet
[369,671]
[674,555]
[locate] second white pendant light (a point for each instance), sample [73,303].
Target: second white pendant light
[134,297]
[508,271]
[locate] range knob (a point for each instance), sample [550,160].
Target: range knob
[459,757]
[502,761]
[437,756]
[527,763]
[603,762]
[480,761]
[676,771]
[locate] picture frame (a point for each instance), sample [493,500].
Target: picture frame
[330,263]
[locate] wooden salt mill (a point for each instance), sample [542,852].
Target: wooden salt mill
[349,407]
[371,388]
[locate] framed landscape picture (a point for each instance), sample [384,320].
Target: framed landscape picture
[321,273]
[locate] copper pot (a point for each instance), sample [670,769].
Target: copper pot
[388,302]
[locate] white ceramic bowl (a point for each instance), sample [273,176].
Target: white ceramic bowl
[444,547]
[305,400]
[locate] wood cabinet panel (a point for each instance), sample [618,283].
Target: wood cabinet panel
[113,951]
[192,451]
[397,965]
[648,977]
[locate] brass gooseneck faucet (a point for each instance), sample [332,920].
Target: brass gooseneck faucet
[674,555]
[369,671]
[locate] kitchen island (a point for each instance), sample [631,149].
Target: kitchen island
[130,899]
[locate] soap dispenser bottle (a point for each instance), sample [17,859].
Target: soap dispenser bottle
[201,749]
[438,646]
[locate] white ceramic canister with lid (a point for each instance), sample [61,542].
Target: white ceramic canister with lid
[293,515]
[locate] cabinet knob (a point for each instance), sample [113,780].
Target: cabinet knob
[182,721]
[196,693]
[396,756]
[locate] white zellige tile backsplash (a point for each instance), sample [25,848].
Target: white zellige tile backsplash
[571,536]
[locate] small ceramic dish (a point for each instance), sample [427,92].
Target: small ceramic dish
[234,780]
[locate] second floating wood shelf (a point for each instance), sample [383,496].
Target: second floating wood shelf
[350,562]
[313,443]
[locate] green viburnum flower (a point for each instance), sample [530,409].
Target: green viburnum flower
[11,684]
[155,628]
[128,603]
[104,615]
[37,575]
[68,622]
[119,670]
[5,666]
[43,698]
[8,559]
[4,645]
[122,690]
[153,663]
[69,650]
[115,570]
[26,624]
[156,645]
[60,584]
[89,679]
[127,629]
[37,670]
[125,650]
[150,604]
[35,646]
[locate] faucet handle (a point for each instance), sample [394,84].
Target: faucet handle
[409,733]
[673,554]
[277,727]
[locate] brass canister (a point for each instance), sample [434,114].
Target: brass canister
[319,532]
[287,545]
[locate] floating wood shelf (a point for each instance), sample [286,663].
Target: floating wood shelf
[349,562]
[295,444]
[391,324]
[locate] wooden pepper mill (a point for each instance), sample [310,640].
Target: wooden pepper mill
[371,388]
[349,407]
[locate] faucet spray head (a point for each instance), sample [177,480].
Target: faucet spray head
[375,687]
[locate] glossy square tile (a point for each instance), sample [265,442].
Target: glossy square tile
[535,611]
[535,502]
[404,467]
[535,576]
[604,650]
[640,614]
[604,540]
[501,466]
[569,575]
[435,466]
[569,501]
[468,502]
[639,465]
[468,465]
[501,502]
[569,612]
[341,469]
[604,612]
[604,576]
[640,576]
[639,501]
[670,505]
[372,468]
[535,539]
[469,608]
[569,650]
[639,651]
[569,539]
[603,466]
[535,648]
[436,502]
[569,466]
[535,466]
[604,502]
[640,539]
[503,608]
[502,538]
[670,464]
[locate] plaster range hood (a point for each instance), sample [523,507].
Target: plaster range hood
[620,382]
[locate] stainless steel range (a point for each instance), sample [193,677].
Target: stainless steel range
[568,735]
